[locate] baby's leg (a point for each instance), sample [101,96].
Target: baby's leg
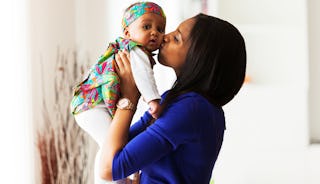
[95,122]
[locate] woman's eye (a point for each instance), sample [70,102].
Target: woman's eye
[175,38]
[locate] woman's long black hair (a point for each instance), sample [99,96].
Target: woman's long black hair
[215,63]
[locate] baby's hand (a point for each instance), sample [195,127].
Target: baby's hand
[155,108]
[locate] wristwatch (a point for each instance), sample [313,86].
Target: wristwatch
[125,104]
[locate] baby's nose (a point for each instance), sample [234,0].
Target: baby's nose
[154,32]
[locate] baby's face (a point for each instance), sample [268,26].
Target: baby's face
[147,30]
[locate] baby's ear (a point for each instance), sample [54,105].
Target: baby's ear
[126,33]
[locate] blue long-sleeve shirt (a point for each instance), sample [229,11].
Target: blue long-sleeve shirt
[180,147]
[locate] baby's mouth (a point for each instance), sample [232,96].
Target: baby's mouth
[153,41]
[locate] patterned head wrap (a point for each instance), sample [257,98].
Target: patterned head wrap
[138,9]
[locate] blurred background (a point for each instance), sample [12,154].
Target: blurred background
[273,124]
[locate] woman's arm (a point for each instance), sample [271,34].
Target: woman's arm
[117,135]
[140,125]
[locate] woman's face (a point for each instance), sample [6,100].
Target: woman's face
[175,45]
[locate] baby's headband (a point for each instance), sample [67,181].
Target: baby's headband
[139,9]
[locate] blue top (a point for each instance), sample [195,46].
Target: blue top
[180,147]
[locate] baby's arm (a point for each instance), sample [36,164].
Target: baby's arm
[144,79]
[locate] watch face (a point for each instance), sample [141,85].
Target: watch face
[123,102]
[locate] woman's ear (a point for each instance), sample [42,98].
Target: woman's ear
[126,33]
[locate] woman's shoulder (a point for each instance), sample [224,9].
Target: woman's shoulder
[189,96]
[192,101]
[186,111]
[195,101]
[192,95]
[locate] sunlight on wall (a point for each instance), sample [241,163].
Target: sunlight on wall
[15,136]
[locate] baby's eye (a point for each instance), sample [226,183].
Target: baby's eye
[160,30]
[146,27]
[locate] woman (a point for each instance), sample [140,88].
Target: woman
[181,146]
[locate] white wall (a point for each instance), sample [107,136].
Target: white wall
[314,69]
[267,136]
[52,27]
[16,157]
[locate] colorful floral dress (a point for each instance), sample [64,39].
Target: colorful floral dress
[102,83]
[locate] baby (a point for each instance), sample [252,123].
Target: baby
[95,98]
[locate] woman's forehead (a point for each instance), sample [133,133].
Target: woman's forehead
[185,27]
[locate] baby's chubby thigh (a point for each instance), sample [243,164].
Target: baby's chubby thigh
[95,122]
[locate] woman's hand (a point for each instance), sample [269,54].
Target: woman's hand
[127,85]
